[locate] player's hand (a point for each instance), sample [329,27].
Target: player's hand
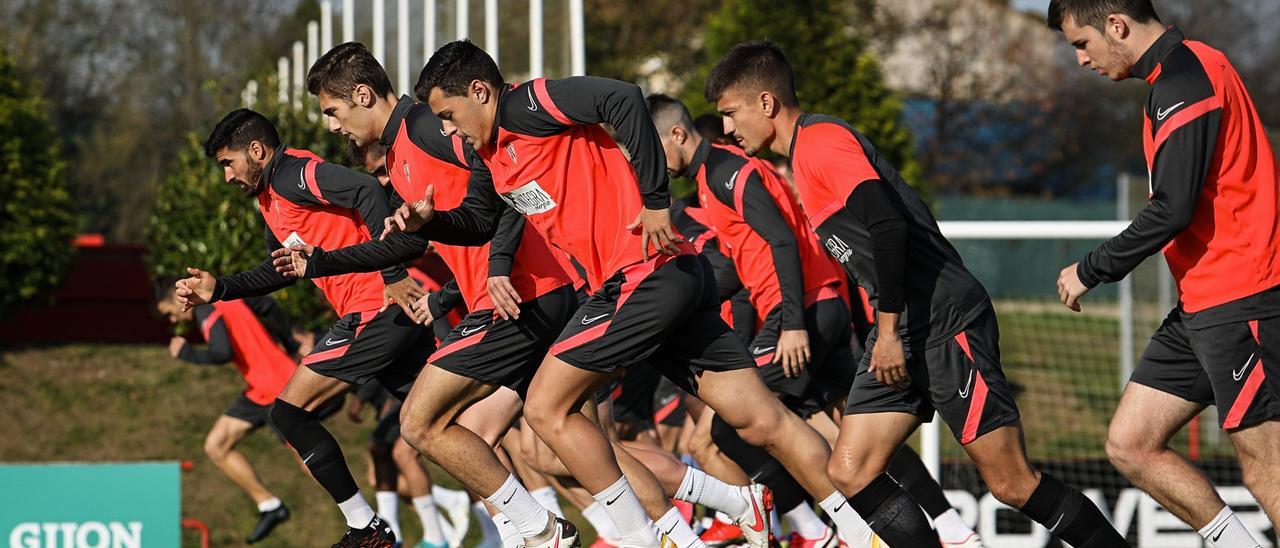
[198,289]
[889,362]
[657,229]
[176,344]
[1070,288]
[405,293]
[792,351]
[506,301]
[411,216]
[291,262]
[424,309]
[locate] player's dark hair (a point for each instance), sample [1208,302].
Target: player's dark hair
[360,153]
[668,111]
[344,67]
[711,127]
[239,128]
[1093,13]
[163,287]
[453,67]
[758,65]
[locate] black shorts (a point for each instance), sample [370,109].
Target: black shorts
[387,430]
[664,311]
[259,415]
[361,346]
[831,364]
[1222,365]
[668,404]
[960,378]
[633,397]
[494,351]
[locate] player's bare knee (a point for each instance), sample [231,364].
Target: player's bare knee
[848,476]
[216,448]
[1126,451]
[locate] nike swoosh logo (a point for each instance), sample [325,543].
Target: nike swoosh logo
[758,351]
[968,386]
[672,528]
[466,331]
[331,342]
[1162,114]
[615,499]
[509,497]
[1221,529]
[443,134]
[1237,375]
[308,457]
[302,178]
[1056,523]
[758,526]
[588,321]
[533,105]
[838,508]
[729,184]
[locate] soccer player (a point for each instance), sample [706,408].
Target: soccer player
[305,200]
[1213,211]
[233,333]
[550,159]
[936,341]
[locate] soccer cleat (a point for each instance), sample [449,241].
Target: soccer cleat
[721,534]
[566,536]
[755,521]
[875,543]
[972,541]
[375,535]
[827,540]
[266,522]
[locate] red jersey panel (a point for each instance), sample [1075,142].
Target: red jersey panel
[263,364]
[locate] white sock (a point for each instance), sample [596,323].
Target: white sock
[677,530]
[432,524]
[600,521]
[805,521]
[510,535]
[269,505]
[448,497]
[699,487]
[514,502]
[389,509]
[1226,531]
[357,511]
[721,516]
[489,531]
[546,496]
[851,527]
[951,527]
[624,509]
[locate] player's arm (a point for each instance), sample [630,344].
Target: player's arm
[441,302]
[260,280]
[218,350]
[1177,177]
[348,188]
[502,253]
[760,211]
[872,204]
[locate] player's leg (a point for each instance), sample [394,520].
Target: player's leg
[386,471]
[220,446]
[859,462]
[1256,447]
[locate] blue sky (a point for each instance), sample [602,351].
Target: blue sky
[1036,5]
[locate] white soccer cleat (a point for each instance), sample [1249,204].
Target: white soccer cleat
[972,541]
[565,536]
[755,521]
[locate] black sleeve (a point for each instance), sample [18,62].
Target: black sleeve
[351,189]
[440,303]
[595,100]
[260,280]
[475,220]
[761,213]
[217,351]
[369,256]
[727,281]
[871,205]
[502,250]
[275,319]
[1177,178]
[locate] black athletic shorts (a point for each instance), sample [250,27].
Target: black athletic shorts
[387,346]
[1222,365]
[495,351]
[668,404]
[387,430]
[831,367]
[634,394]
[664,311]
[960,378]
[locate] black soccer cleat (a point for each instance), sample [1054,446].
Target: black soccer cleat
[266,522]
[375,535]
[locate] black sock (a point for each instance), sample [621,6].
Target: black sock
[318,449]
[759,465]
[1067,513]
[908,470]
[891,513]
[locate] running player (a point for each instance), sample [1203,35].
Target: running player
[1213,211]
[551,160]
[305,200]
[233,332]
[936,342]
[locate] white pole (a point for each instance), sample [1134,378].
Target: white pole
[326,25]
[428,29]
[313,43]
[461,20]
[535,38]
[577,40]
[379,33]
[402,45]
[1126,291]
[299,51]
[491,28]
[348,20]
[282,74]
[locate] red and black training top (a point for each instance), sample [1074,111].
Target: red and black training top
[551,160]
[765,233]
[306,200]
[1213,186]
[874,224]
[234,334]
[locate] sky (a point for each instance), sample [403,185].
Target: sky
[1034,5]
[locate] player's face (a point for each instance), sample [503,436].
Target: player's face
[172,311]
[469,116]
[1096,51]
[675,164]
[745,120]
[349,119]
[377,166]
[241,170]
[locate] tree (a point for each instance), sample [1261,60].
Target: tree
[835,72]
[36,224]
